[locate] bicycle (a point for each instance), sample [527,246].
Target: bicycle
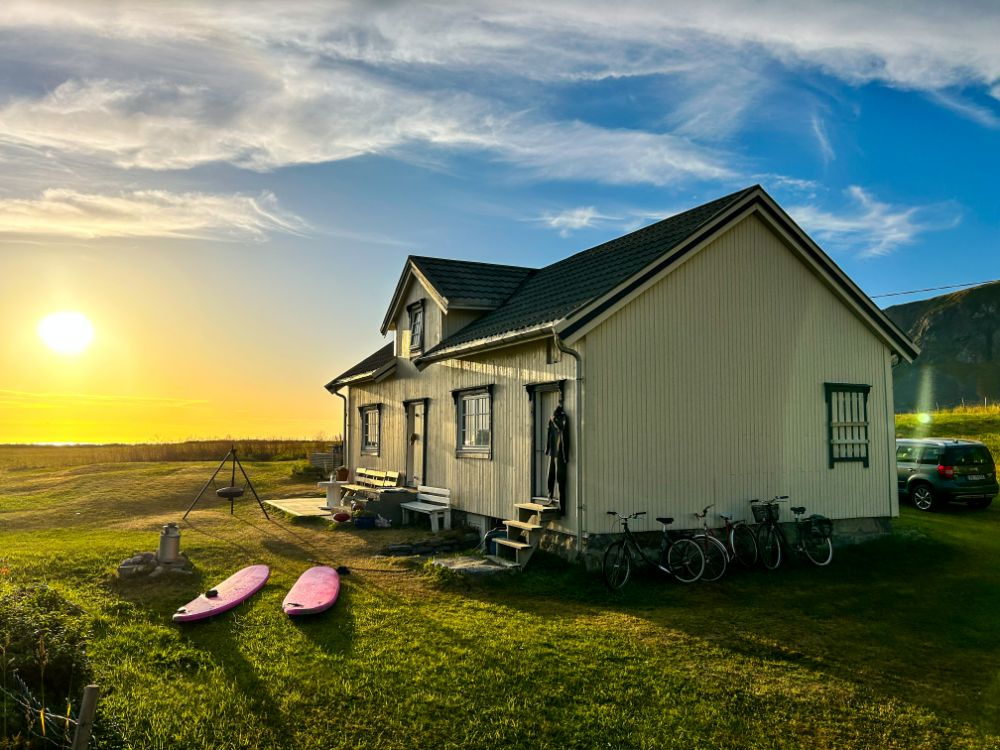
[716,554]
[812,535]
[741,540]
[679,556]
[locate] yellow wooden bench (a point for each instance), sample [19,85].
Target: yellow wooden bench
[369,483]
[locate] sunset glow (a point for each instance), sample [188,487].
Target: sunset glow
[209,204]
[66,332]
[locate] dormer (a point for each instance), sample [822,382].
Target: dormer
[435,298]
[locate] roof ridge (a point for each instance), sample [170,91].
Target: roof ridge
[650,228]
[471,262]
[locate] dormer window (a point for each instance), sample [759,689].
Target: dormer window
[416,311]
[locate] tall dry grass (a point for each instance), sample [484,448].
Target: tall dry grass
[45,456]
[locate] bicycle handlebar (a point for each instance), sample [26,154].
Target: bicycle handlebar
[704,511]
[634,515]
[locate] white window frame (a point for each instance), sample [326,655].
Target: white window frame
[416,313]
[480,421]
[371,429]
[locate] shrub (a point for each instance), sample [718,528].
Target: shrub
[303,471]
[43,659]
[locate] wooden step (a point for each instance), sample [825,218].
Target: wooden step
[512,543]
[526,525]
[535,507]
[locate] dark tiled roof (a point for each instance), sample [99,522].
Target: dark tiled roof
[368,366]
[467,283]
[551,293]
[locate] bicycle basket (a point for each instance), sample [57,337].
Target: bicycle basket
[764,512]
[821,526]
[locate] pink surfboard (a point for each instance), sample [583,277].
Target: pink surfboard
[315,591]
[237,588]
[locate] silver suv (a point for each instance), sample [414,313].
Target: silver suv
[934,471]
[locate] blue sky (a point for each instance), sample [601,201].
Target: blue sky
[270,166]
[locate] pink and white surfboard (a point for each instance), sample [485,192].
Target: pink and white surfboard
[315,591]
[236,589]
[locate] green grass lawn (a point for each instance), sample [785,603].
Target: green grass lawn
[893,646]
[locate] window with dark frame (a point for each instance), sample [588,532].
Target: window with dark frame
[416,311]
[371,429]
[474,411]
[847,422]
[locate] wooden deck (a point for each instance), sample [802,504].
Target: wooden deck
[302,506]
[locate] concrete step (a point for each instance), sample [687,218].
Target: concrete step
[503,561]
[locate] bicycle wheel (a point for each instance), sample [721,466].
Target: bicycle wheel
[686,560]
[744,545]
[716,557]
[617,565]
[819,549]
[770,547]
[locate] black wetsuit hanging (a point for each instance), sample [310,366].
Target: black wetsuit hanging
[557,449]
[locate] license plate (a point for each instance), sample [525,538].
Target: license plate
[976,477]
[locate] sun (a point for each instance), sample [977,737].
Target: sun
[66,332]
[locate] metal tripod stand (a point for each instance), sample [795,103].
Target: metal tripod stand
[231,492]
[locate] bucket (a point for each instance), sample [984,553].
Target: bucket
[491,546]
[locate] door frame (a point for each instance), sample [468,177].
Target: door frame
[407,431]
[533,389]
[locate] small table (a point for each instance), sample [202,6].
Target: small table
[332,492]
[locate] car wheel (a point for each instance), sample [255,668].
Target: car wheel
[922,495]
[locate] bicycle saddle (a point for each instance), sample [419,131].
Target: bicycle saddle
[726,516]
[665,520]
[798,510]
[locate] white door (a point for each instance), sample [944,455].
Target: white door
[416,439]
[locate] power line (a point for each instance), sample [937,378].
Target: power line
[934,288]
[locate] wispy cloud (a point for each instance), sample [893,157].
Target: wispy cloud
[147,213]
[167,86]
[573,219]
[822,139]
[967,109]
[871,227]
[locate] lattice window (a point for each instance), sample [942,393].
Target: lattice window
[847,422]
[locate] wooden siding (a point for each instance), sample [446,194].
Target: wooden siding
[433,319]
[708,387]
[457,319]
[478,485]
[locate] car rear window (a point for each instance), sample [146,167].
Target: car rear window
[929,454]
[968,455]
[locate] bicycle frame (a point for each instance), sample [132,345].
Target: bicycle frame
[804,537]
[665,541]
[680,557]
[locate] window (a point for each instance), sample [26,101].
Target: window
[929,455]
[371,429]
[847,422]
[475,421]
[416,311]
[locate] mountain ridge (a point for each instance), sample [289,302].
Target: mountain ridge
[959,337]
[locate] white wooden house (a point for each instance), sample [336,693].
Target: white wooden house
[716,356]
